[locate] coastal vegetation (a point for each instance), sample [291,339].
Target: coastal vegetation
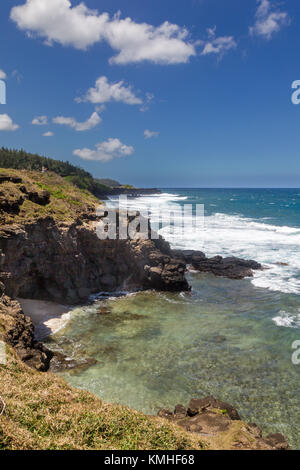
[21,160]
[27,195]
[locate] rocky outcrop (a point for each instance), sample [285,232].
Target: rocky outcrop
[67,263]
[13,194]
[231,267]
[59,257]
[221,425]
[133,192]
[18,331]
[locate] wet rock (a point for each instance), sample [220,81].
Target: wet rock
[180,411]
[196,405]
[231,267]
[219,339]
[277,441]
[61,362]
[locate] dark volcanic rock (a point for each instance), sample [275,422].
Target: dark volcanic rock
[67,262]
[11,205]
[42,198]
[19,333]
[231,267]
[196,405]
[215,419]
[277,441]
[60,362]
[10,179]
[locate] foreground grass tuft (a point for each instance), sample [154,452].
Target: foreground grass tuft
[44,412]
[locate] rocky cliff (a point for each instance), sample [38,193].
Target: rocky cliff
[49,250]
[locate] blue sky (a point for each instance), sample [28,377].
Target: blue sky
[211,88]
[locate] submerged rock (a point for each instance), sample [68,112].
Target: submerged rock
[60,362]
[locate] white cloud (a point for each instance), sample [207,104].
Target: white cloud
[136,42]
[80,27]
[104,92]
[2,75]
[92,122]
[149,134]
[6,123]
[105,151]
[147,102]
[40,121]
[217,45]
[268,20]
[48,134]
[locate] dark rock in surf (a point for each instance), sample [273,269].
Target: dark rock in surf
[231,267]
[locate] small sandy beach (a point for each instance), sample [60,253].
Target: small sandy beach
[47,317]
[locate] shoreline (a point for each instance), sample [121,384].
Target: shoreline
[47,317]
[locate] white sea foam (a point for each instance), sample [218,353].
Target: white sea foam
[287,319]
[235,235]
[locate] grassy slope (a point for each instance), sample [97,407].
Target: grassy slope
[43,412]
[67,201]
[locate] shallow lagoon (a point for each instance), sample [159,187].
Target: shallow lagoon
[155,350]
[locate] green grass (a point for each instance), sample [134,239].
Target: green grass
[43,412]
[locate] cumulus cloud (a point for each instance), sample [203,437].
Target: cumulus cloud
[105,151]
[217,45]
[40,121]
[48,134]
[80,27]
[268,20]
[2,75]
[104,92]
[92,122]
[149,134]
[6,123]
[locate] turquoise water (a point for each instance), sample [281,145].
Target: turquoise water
[232,339]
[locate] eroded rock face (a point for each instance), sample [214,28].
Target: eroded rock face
[221,425]
[18,331]
[231,267]
[67,263]
[13,194]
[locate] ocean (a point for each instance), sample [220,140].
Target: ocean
[232,339]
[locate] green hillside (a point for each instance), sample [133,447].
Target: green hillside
[21,160]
